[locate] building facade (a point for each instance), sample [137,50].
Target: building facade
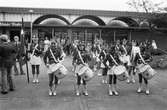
[85,25]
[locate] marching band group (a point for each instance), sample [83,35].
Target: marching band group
[121,61]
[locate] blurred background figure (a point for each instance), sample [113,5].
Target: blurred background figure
[19,56]
[154,45]
[46,44]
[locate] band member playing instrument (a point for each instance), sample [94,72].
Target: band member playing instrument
[144,58]
[35,59]
[82,60]
[113,60]
[52,59]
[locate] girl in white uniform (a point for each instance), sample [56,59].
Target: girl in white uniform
[35,59]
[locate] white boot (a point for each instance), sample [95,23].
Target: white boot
[139,90]
[50,92]
[147,90]
[110,91]
[114,90]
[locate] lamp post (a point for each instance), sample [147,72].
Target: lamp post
[31,12]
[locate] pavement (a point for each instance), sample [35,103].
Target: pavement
[35,96]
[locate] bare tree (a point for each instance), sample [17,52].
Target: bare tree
[147,6]
[154,10]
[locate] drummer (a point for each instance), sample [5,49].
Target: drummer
[54,55]
[146,57]
[112,76]
[82,60]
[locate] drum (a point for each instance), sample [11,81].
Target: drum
[61,72]
[80,69]
[149,73]
[58,69]
[142,68]
[84,71]
[121,72]
[119,69]
[122,77]
[88,74]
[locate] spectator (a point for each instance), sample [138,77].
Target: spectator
[7,58]
[46,44]
[154,45]
[19,58]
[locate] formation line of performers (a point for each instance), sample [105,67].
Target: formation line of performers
[118,62]
[123,61]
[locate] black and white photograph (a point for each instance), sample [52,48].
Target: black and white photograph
[83,54]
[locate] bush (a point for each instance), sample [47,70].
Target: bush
[159,61]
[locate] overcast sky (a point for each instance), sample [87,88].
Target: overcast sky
[115,5]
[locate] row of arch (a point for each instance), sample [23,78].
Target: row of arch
[52,19]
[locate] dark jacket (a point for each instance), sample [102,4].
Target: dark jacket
[7,54]
[38,50]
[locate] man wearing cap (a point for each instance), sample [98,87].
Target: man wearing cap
[7,59]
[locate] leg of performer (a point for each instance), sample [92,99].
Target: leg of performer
[10,79]
[55,84]
[85,87]
[128,70]
[132,74]
[74,64]
[110,85]
[37,73]
[51,75]
[140,83]
[147,87]
[78,85]
[33,73]
[104,73]
[115,84]
[74,68]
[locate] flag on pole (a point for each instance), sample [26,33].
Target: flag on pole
[23,48]
[22,39]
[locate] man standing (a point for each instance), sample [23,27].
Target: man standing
[7,59]
[19,57]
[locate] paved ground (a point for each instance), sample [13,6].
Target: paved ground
[35,96]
